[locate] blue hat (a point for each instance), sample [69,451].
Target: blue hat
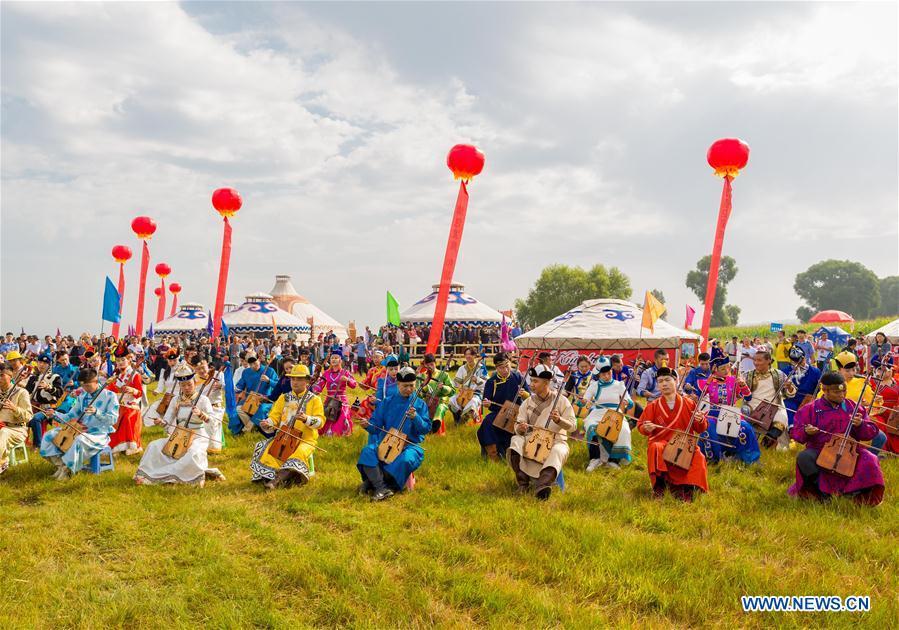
[390,361]
[719,361]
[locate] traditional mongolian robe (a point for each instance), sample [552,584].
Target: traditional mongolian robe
[602,396]
[825,415]
[191,468]
[369,384]
[165,385]
[476,382]
[436,394]
[576,387]
[44,397]
[496,392]
[768,387]
[806,381]
[334,383]
[14,424]
[890,394]
[658,412]
[390,415]
[744,447]
[263,465]
[535,412]
[251,381]
[127,433]
[96,427]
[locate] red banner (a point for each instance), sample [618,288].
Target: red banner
[121,288]
[449,265]
[174,304]
[712,286]
[160,307]
[144,265]
[223,279]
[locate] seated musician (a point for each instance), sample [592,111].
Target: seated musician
[805,379]
[576,384]
[15,413]
[189,411]
[386,384]
[258,379]
[722,388]
[369,383]
[888,405]
[408,416]
[603,394]
[215,392]
[766,383]
[815,426]
[295,468]
[438,387]
[501,387]
[46,389]
[537,411]
[468,377]
[667,412]
[165,385]
[96,419]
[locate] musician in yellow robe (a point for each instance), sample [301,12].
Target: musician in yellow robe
[541,410]
[15,412]
[301,413]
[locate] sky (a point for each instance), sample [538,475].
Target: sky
[333,121]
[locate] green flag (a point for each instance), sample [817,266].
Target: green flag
[393,310]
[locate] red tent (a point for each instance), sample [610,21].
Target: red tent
[825,317]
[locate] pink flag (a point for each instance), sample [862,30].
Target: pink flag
[506,342]
[690,313]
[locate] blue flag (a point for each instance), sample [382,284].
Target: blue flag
[225,332]
[235,424]
[111,303]
[209,324]
[150,332]
[110,368]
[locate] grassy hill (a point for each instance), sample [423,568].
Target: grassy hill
[459,551]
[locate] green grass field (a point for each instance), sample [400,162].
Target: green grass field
[459,551]
[726,332]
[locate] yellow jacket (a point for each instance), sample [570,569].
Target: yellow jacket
[854,388]
[282,411]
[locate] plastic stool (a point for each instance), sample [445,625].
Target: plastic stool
[560,481]
[96,463]
[18,454]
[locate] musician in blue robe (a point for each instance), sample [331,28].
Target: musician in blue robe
[805,377]
[503,386]
[259,379]
[408,413]
[96,423]
[68,373]
[700,372]
[386,386]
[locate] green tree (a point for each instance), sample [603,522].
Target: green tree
[698,278]
[889,296]
[839,284]
[560,288]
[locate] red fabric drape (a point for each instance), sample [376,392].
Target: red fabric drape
[160,307]
[144,265]
[121,288]
[174,304]
[223,279]
[449,265]
[711,287]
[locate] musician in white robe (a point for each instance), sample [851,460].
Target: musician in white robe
[166,386]
[215,392]
[605,394]
[193,412]
[96,414]
[468,375]
[542,409]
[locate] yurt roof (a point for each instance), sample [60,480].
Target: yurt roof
[460,308]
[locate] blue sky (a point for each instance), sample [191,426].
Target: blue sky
[333,120]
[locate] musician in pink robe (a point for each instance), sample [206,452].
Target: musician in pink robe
[335,381]
[814,425]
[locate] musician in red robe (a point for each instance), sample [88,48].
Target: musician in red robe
[887,407]
[672,411]
[127,384]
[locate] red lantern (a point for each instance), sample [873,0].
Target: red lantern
[465,161]
[175,288]
[728,156]
[226,201]
[157,291]
[162,270]
[121,253]
[144,227]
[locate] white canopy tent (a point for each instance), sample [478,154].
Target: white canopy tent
[258,312]
[460,308]
[603,325]
[286,297]
[891,331]
[191,317]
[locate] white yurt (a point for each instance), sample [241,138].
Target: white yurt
[891,331]
[460,308]
[259,313]
[287,298]
[191,317]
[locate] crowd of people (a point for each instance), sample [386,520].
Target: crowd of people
[78,399]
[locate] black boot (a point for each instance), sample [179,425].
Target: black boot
[375,478]
[521,477]
[545,483]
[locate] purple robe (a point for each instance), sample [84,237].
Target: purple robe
[824,415]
